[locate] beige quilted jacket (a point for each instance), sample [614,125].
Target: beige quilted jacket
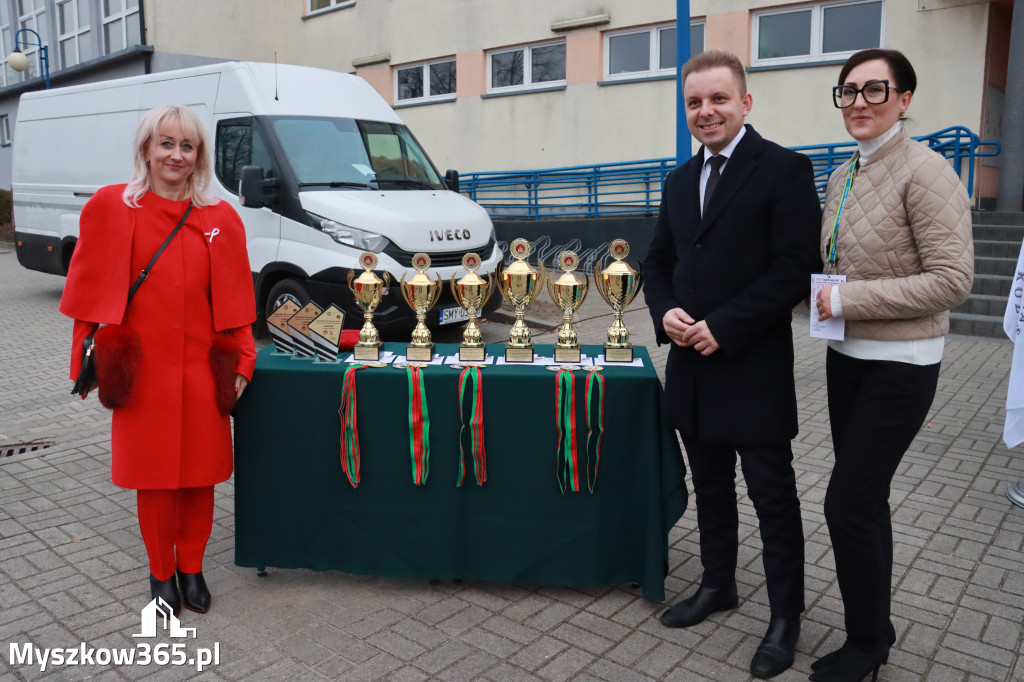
[905,242]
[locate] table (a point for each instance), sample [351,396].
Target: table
[294,506]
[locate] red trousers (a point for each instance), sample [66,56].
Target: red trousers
[175,521]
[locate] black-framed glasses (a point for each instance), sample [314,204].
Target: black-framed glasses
[875,92]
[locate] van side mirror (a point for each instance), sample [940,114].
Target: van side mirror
[451,179]
[253,190]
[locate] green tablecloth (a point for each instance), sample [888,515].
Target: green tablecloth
[294,507]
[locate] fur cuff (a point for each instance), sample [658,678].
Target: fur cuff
[118,352]
[224,356]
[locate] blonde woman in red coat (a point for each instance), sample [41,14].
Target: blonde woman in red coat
[185,338]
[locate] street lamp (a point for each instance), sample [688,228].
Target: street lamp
[19,62]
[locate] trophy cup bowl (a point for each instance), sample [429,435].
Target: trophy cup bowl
[367,291]
[568,293]
[421,293]
[519,284]
[618,285]
[471,292]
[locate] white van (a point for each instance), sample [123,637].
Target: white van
[332,172]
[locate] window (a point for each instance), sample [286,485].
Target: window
[647,52]
[526,68]
[121,27]
[32,14]
[239,145]
[73,32]
[812,33]
[431,82]
[7,74]
[314,6]
[5,130]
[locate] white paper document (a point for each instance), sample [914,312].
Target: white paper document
[835,327]
[637,362]
[385,356]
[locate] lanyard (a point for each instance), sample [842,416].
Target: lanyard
[834,239]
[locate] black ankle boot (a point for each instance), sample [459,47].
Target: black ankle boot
[194,592]
[777,649]
[829,659]
[853,663]
[700,605]
[167,590]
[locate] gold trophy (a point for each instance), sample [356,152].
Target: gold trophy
[471,292]
[368,290]
[519,284]
[618,284]
[421,293]
[568,292]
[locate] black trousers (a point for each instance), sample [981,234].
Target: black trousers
[876,409]
[771,485]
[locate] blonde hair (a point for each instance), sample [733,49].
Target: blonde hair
[197,183]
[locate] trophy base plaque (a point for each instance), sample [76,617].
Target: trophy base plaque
[567,355]
[471,354]
[419,353]
[518,354]
[618,354]
[370,353]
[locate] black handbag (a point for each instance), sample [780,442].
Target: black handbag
[87,374]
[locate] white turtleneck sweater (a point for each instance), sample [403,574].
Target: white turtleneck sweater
[914,351]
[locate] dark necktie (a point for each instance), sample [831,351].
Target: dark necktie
[715,162]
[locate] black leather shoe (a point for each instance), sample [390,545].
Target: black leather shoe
[777,649]
[194,592]
[828,660]
[166,590]
[703,602]
[854,662]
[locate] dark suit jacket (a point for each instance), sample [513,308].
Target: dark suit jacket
[741,268]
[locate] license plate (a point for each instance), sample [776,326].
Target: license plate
[450,315]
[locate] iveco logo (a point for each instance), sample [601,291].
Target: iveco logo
[449,235]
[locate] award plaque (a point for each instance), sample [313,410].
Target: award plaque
[618,284]
[368,289]
[568,293]
[325,331]
[471,292]
[277,325]
[519,284]
[421,293]
[298,325]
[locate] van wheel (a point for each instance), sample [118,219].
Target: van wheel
[286,290]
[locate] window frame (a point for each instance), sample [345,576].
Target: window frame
[815,55]
[75,36]
[5,130]
[121,17]
[654,69]
[425,70]
[36,20]
[527,84]
[335,4]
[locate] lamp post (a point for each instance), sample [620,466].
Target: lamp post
[19,62]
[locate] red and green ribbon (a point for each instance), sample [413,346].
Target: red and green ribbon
[349,426]
[473,427]
[566,465]
[595,425]
[419,426]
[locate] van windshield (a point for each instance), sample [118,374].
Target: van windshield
[343,152]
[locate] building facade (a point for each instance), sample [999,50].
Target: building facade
[500,85]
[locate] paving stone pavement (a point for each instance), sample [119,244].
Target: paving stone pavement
[73,567]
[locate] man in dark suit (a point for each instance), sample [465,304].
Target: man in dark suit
[733,251]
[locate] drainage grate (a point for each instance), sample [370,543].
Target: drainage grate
[10,449]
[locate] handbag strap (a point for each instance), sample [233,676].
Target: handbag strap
[149,266]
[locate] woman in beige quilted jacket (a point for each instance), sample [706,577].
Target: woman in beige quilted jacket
[897,224]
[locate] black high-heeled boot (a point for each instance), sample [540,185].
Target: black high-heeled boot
[854,662]
[194,592]
[828,659]
[166,590]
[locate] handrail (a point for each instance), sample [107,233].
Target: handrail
[634,187]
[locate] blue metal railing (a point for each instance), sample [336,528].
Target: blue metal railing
[634,187]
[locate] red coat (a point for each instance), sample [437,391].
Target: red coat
[171,435]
